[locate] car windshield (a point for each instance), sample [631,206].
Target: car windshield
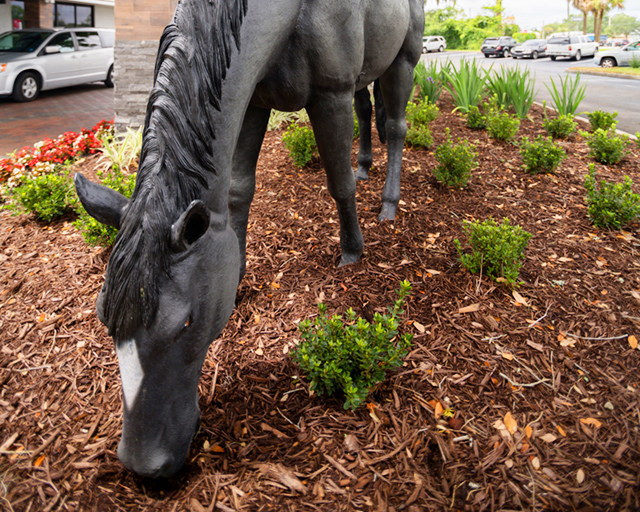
[22,41]
[559,40]
[530,42]
[490,40]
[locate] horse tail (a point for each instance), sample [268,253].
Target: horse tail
[381,112]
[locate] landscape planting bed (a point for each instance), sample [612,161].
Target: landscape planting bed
[540,387]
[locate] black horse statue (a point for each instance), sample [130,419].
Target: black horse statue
[172,277]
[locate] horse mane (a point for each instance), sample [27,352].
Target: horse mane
[176,159]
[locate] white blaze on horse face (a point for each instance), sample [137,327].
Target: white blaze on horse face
[130,371]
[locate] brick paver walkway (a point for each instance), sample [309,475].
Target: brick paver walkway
[53,113]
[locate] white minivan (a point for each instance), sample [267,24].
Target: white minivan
[34,60]
[433,44]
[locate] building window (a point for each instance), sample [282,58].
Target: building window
[71,15]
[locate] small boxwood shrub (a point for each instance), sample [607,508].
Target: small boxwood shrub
[611,205]
[48,196]
[476,120]
[496,249]
[602,119]
[419,136]
[607,147]
[351,356]
[541,154]
[456,162]
[301,143]
[502,125]
[422,113]
[560,127]
[94,232]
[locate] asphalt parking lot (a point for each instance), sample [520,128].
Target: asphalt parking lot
[53,113]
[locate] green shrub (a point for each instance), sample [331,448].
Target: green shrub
[456,162]
[496,249]
[351,356]
[541,154]
[638,139]
[607,147]
[48,196]
[301,143]
[94,232]
[612,205]
[501,125]
[560,127]
[419,136]
[423,113]
[356,126]
[634,62]
[475,119]
[602,119]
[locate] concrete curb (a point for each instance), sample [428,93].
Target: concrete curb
[597,72]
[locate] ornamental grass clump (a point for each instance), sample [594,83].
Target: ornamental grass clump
[541,154]
[301,143]
[456,162]
[611,205]
[466,84]
[602,119]
[497,250]
[607,147]
[501,125]
[429,81]
[48,196]
[568,96]
[351,356]
[94,232]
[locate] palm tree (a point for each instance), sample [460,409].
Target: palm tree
[599,8]
[585,7]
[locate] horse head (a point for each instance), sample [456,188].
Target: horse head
[162,312]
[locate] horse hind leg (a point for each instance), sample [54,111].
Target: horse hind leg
[334,136]
[396,85]
[362,104]
[243,175]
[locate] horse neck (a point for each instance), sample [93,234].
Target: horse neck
[204,82]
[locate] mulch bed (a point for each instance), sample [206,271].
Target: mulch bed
[544,385]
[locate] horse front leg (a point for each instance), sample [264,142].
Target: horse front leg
[362,104]
[243,175]
[396,85]
[331,116]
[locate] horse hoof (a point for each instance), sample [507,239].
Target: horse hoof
[362,175]
[388,212]
[348,259]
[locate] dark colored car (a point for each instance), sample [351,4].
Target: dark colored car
[531,49]
[498,46]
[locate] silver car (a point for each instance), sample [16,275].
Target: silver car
[34,60]
[618,56]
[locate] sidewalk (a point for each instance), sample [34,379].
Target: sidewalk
[53,113]
[602,72]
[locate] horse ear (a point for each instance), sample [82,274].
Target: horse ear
[190,226]
[102,203]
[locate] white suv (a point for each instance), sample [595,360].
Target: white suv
[433,44]
[33,60]
[574,47]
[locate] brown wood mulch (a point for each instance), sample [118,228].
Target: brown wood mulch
[543,385]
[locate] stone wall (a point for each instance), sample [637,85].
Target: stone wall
[139,25]
[134,62]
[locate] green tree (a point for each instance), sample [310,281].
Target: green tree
[600,7]
[623,24]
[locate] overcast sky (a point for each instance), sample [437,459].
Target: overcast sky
[530,15]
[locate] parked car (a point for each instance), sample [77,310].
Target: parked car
[531,49]
[498,46]
[433,44]
[618,56]
[574,47]
[34,60]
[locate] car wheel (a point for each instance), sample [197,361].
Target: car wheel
[26,87]
[506,53]
[552,57]
[608,62]
[110,76]
[534,55]
[578,55]
[441,49]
